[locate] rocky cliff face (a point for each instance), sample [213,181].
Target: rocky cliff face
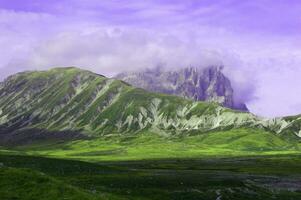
[208,84]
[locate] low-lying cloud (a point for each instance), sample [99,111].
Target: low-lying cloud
[257,42]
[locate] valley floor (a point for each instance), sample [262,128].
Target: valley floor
[224,165]
[143,146]
[240,178]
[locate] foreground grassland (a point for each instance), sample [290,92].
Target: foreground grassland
[238,164]
[240,178]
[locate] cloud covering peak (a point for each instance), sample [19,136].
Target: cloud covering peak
[258,42]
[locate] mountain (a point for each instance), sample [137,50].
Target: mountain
[209,84]
[70,103]
[293,125]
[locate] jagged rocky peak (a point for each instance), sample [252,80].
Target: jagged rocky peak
[200,84]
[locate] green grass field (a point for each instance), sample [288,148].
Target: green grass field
[238,164]
[235,142]
[240,178]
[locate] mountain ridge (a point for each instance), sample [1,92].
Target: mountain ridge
[71,99]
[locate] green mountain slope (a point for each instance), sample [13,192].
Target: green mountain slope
[74,103]
[73,99]
[294,125]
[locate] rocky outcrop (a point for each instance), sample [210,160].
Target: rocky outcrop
[209,84]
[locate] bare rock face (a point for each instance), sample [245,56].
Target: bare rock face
[209,84]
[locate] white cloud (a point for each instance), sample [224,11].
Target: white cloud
[110,38]
[111,50]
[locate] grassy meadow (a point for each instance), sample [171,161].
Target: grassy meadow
[239,178]
[221,165]
[143,146]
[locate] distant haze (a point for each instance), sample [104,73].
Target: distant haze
[258,41]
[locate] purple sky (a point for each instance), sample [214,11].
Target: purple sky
[258,41]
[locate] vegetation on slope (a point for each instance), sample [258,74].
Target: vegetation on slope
[70,99]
